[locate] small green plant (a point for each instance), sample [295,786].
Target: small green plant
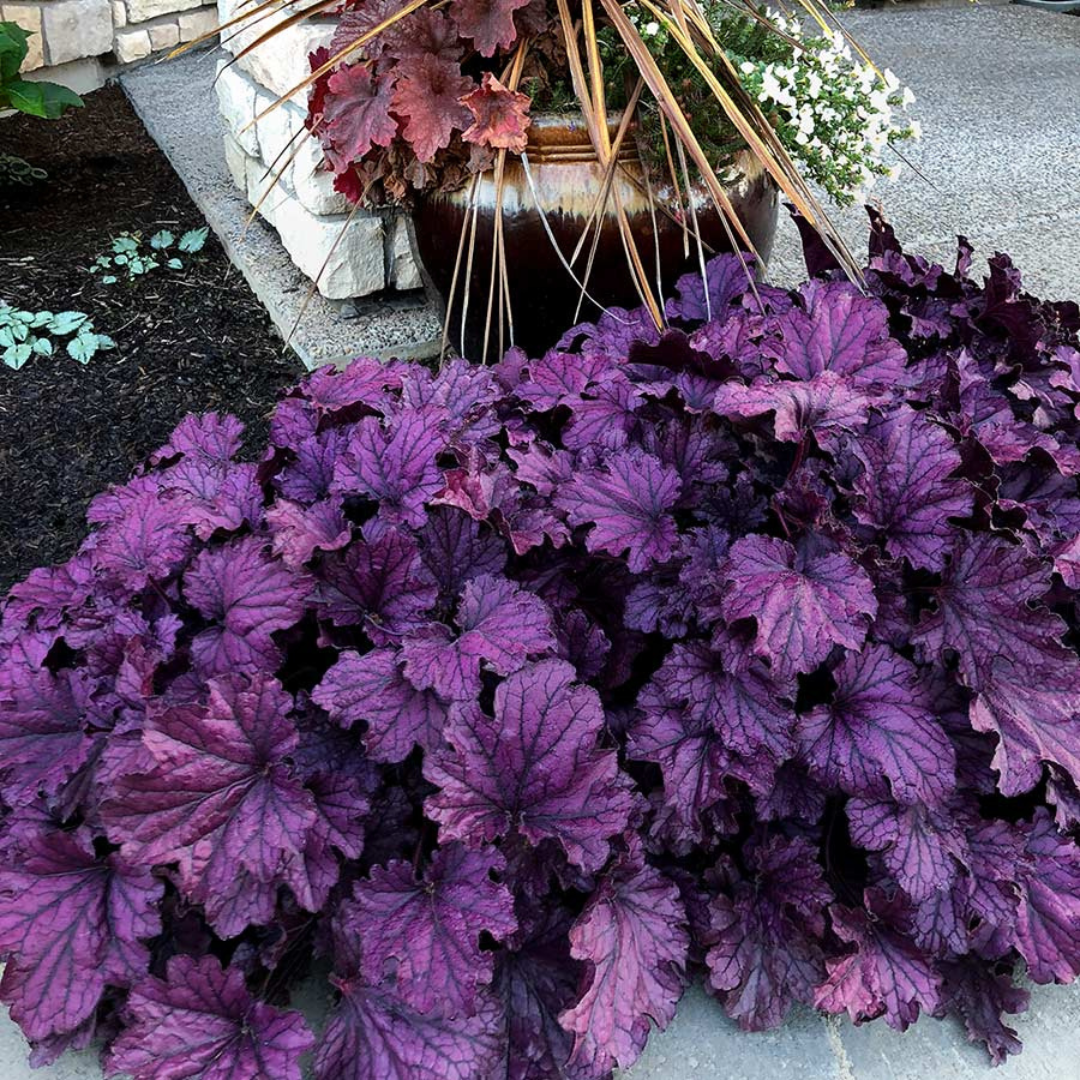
[45,99]
[14,170]
[131,258]
[24,334]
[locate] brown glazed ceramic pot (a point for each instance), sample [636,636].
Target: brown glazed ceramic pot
[567,176]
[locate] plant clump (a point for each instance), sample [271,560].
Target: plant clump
[27,334]
[745,651]
[410,99]
[130,258]
[834,114]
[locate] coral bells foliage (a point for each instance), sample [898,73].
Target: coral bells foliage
[420,105]
[514,699]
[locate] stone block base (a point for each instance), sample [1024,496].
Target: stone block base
[69,35]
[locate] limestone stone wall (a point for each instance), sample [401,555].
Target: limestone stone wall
[77,41]
[347,257]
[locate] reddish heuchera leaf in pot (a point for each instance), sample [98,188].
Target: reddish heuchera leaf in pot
[489,23]
[357,114]
[500,115]
[428,96]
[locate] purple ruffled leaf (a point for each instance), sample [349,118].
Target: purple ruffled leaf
[886,975]
[71,924]
[423,936]
[373,1035]
[906,492]
[43,740]
[381,585]
[216,791]
[456,549]
[987,609]
[151,541]
[372,688]
[692,760]
[804,600]
[393,462]
[628,504]
[922,848]
[828,407]
[498,624]
[297,532]
[880,732]
[208,437]
[736,693]
[981,998]
[766,936]
[1047,929]
[838,329]
[248,596]
[536,980]
[633,935]
[534,767]
[201,1022]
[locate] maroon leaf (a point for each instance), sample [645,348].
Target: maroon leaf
[357,114]
[490,24]
[500,116]
[428,96]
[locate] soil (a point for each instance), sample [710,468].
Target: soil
[190,340]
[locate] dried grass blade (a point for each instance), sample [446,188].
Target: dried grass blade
[680,126]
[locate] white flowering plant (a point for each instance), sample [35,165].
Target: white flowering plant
[834,114]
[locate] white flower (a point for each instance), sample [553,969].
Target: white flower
[747,68]
[652,29]
[814,84]
[895,171]
[915,128]
[908,97]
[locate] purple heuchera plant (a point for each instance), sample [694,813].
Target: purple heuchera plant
[518,697]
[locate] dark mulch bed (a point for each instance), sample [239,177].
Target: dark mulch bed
[191,340]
